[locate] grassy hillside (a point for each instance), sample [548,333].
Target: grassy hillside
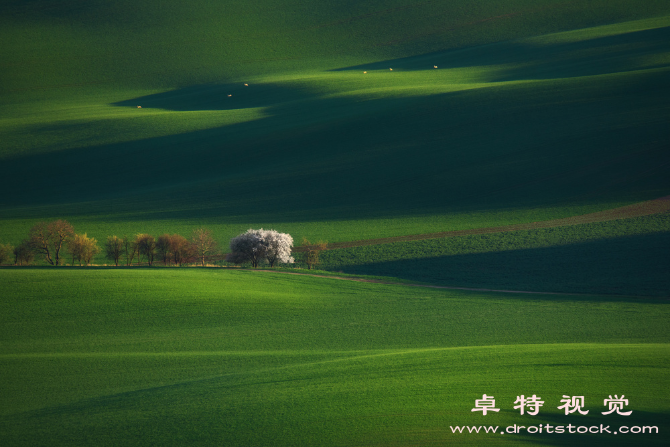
[71,44]
[537,110]
[624,257]
[339,121]
[203,357]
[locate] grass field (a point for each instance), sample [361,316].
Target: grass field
[356,123]
[536,111]
[624,257]
[250,358]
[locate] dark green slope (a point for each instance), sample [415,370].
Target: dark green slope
[57,45]
[516,124]
[508,146]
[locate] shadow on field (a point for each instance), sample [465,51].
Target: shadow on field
[221,97]
[609,54]
[324,158]
[630,265]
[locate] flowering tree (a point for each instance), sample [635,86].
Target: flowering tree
[256,246]
[247,247]
[279,247]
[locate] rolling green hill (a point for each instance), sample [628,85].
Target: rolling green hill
[537,110]
[239,358]
[341,121]
[52,44]
[622,257]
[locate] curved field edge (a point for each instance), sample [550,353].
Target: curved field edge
[378,397]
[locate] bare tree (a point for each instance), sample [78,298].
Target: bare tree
[164,248]
[23,253]
[181,249]
[312,252]
[83,248]
[91,249]
[5,253]
[146,245]
[48,239]
[129,249]
[174,248]
[76,247]
[114,248]
[203,244]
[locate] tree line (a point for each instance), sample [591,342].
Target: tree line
[56,242]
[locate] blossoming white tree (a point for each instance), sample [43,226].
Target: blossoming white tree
[247,247]
[256,246]
[278,247]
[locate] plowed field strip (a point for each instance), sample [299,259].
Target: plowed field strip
[647,208]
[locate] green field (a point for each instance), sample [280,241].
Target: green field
[622,257]
[537,110]
[221,357]
[339,121]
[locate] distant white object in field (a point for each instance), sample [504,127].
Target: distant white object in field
[139,107]
[246,85]
[434,66]
[391,69]
[230,96]
[365,72]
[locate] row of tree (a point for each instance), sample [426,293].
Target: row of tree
[56,240]
[168,248]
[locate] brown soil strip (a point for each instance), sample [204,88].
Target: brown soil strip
[656,206]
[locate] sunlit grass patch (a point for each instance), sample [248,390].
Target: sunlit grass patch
[244,357]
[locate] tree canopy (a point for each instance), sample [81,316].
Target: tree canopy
[256,246]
